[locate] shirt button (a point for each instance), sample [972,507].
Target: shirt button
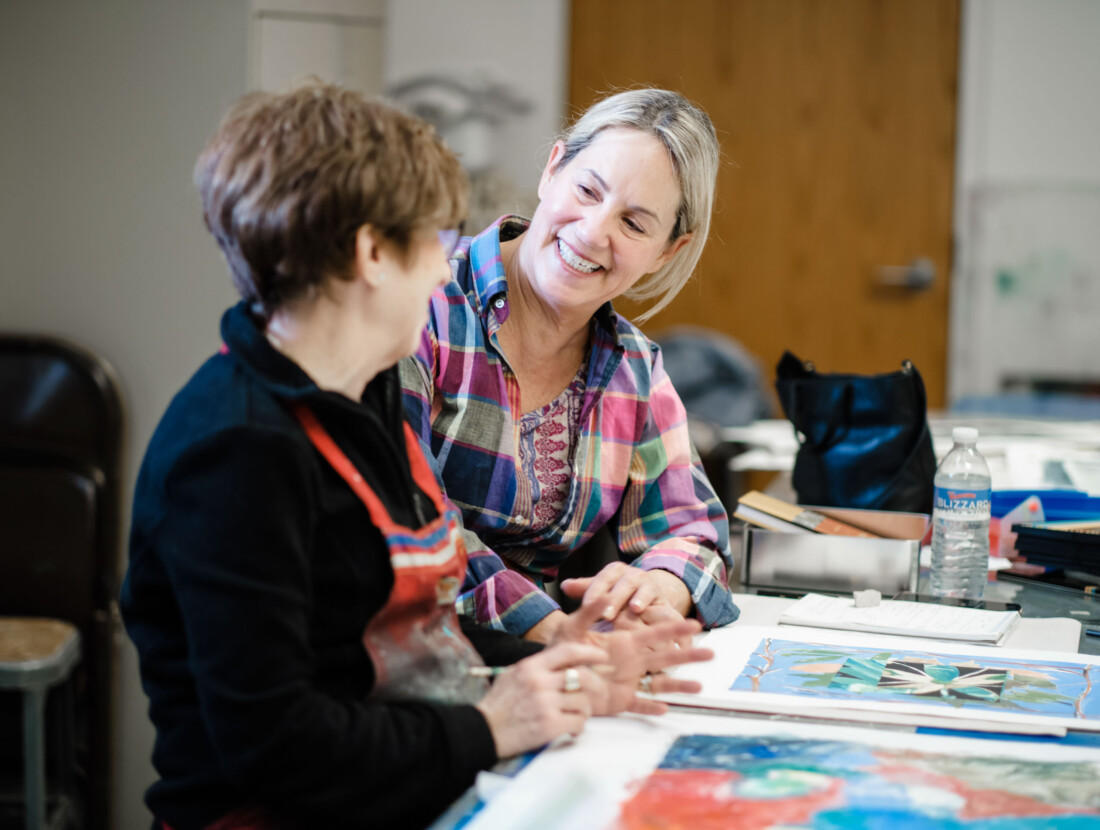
[498,302]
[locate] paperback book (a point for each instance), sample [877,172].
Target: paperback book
[775,514]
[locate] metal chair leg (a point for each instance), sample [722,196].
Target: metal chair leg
[34,759]
[66,755]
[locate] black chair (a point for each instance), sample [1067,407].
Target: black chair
[60,471]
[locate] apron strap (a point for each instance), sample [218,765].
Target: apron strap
[342,464]
[422,472]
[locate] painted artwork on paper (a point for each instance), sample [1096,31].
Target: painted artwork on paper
[1049,687]
[707,782]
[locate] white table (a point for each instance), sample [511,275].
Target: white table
[580,783]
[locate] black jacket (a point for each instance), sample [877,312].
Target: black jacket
[253,572]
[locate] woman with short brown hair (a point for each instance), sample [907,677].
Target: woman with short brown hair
[293,564]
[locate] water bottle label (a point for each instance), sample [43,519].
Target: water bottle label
[963,504]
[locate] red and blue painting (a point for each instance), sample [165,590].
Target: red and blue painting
[713,782]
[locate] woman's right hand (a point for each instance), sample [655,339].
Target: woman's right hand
[527,706]
[645,650]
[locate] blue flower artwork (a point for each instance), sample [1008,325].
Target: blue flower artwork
[1049,687]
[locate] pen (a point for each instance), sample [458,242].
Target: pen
[1092,632]
[496,671]
[486,671]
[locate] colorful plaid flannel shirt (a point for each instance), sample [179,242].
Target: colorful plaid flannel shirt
[634,468]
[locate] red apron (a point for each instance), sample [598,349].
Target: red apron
[415,642]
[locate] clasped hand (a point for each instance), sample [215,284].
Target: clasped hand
[627,593]
[624,597]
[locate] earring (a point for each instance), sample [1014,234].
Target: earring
[381,277]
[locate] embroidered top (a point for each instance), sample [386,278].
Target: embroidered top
[548,438]
[633,467]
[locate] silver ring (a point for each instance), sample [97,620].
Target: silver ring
[646,684]
[572,681]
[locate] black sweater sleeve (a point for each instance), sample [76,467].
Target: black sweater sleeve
[235,543]
[497,648]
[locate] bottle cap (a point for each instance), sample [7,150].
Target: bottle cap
[964,435]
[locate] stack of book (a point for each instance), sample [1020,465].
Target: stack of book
[1064,545]
[766,511]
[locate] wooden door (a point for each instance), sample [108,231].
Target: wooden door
[837,123]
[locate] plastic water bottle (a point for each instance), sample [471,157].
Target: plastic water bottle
[960,520]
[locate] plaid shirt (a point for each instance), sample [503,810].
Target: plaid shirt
[634,468]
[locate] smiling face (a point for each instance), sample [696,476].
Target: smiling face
[603,222]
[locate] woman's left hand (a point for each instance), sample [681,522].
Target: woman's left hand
[630,597]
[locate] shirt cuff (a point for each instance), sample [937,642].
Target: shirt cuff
[713,602]
[507,601]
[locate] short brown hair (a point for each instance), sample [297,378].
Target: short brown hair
[288,179]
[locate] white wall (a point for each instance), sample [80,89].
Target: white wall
[1030,110]
[522,44]
[1029,116]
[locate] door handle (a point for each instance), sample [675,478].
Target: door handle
[918,275]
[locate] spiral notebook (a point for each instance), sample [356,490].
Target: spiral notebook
[910,619]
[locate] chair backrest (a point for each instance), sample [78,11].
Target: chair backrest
[60,450]
[61,430]
[50,556]
[720,382]
[57,397]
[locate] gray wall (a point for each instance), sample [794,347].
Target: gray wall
[103,108]
[532,65]
[105,105]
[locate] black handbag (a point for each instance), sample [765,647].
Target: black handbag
[864,439]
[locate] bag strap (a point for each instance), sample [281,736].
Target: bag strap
[918,382]
[791,367]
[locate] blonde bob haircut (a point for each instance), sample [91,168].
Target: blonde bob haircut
[688,135]
[289,178]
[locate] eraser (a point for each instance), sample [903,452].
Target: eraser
[867,599]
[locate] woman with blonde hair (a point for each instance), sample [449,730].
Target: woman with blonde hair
[548,415]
